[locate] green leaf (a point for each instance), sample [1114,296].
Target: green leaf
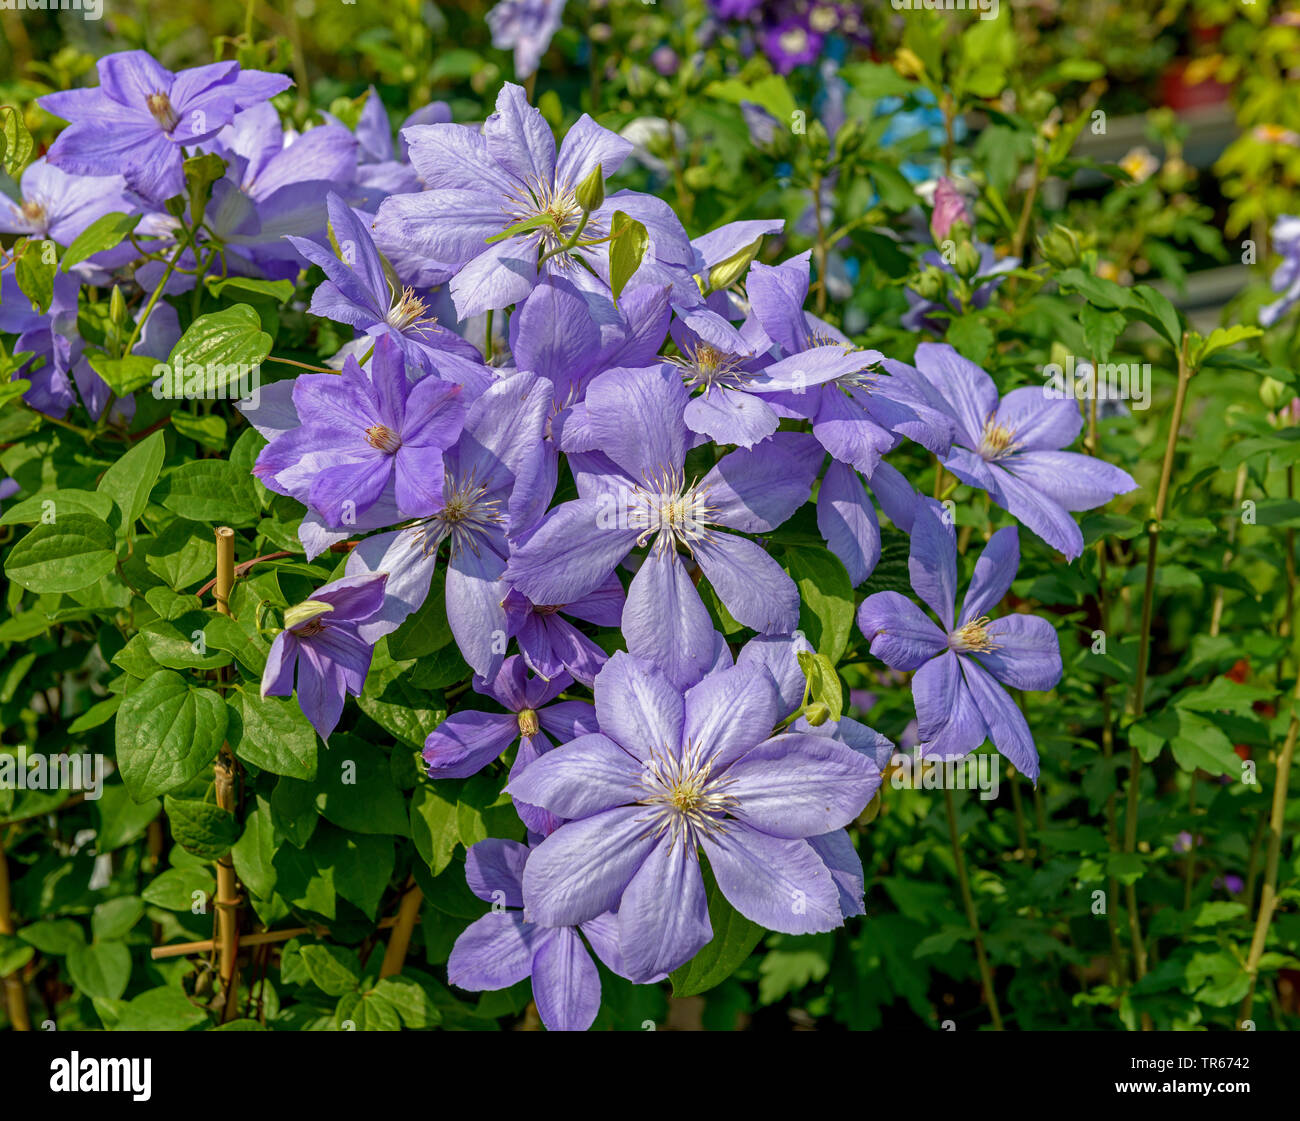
[212,491]
[874,80]
[1100,331]
[826,598]
[435,827]
[161,1009]
[34,271]
[772,92]
[414,1003]
[56,937]
[272,734]
[17,141]
[129,481]
[626,250]
[101,969]
[355,790]
[70,553]
[14,954]
[366,1012]
[254,852]
[1222,338]
[124,375]
[167,732]
[53,503]
[175,889]
[226,343]
[114,918]
[202,829]
[734,939]
[332,969]
[361,866]
[103,233]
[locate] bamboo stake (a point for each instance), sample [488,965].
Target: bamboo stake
[265,938]
[15,991]
[407,913]
[227,900]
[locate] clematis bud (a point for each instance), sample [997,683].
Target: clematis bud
[725,273]
[1272,393]
[1060,247]
[930,284]
[590,194]
[817,714]
[949,208]
[967,262]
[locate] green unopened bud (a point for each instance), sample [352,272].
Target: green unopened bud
[305,612]
[117,307]
[930,285]
[849,138]
[1273,393]
[967,260]
[817,714]
[590,194]
[871,812]
[725,273]
[698,178]
[819,141]
[1060,247]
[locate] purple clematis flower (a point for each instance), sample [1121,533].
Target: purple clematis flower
[669,773]
[60,206]
[791,43]
[482,184]
[140,118]
[364,436]
[359,292]
[568,334]
[634,490]
[526,27]
[496,483]
[501,948]
[1286,277]
[1010,447]
[550,644]
[958,700]
[467,741]
[321,642]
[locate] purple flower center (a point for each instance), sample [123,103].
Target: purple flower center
[309,628]
[670,511]
[996,442]
[465,516]
[708,366]
[384,438]
[685,800]
[407,310]
[34,211]
[973,638]
[558,205]
[528,723]
[160,107]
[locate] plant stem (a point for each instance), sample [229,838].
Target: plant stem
[15,991]
[1276,821]
[1185,372]
[407,913]
[227,900]
[986,974]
